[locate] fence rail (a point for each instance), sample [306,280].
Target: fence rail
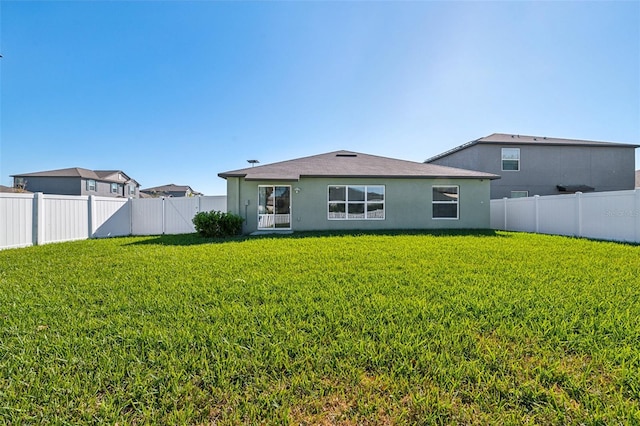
[611,216]
[33,219]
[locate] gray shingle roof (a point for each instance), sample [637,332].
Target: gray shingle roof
[351,164]
[170,188]
[102,175]
[504,138]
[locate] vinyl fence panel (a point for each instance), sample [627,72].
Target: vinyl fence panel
[178,214]
[111,217]
[66,218]
[611,215]
[147,216]
[16,220]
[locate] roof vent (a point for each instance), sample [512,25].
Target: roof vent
[346,155]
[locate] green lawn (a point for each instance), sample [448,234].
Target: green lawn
[461,328]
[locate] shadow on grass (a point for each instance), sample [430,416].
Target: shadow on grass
[195,239]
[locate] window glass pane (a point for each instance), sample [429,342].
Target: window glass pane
[337,193]
[337,211]
[519,194]
[375,193]
[445,211]
[356,193]
[265,200]
[282,200]
[356,210]
[375,211]
[510,153]
[510,165]
[445,193]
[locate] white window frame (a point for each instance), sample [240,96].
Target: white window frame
[366,202]
[132,190]
[114,186]
[503,159]
[525,194]
[91,185]
[270,221]
[455,201]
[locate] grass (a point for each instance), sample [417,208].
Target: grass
[464,328]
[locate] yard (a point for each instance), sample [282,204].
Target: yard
[444,328]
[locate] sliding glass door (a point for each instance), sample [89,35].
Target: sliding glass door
[274,207]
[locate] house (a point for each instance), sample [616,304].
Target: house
[531,165]
[78,181]
[9,190]
[346,190]
[171,190]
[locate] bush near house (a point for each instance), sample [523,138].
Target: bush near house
[216,224]
[467,328]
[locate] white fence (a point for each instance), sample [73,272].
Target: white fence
[599,215]
[31,219]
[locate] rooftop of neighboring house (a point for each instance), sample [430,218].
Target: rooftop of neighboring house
[504,138]
[101,175]
[8,189]
[170,188]
[351,164]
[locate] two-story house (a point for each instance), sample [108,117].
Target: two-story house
[78,181]
[533,165]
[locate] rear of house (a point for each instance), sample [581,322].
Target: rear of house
[346,190]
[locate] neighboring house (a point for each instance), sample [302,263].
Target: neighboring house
[7,189]
[530,165]
[78,181]
[171,190]
[354,191]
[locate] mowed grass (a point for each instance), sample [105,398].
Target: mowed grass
[465,328]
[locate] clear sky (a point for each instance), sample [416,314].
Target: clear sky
[178,91]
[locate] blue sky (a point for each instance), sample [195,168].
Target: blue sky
[176,92]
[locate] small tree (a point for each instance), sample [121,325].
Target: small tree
[217,224]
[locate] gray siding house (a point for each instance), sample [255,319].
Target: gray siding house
[171,190]
[531,165]
[78,181]
[346,190]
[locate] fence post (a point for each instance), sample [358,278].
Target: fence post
[579,213]
[636,213]
[38,219]
[164,206]
[536,210]
[504,202]
[91,205]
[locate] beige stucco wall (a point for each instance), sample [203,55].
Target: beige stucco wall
[407,203]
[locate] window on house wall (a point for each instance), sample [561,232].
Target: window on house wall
[132,190]
[114,188]
[91,185]
[510,159]
[445,202]
[519,194]
[356,202]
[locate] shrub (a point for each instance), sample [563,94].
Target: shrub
[217,224]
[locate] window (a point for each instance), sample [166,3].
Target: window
[132,190]
[510,159]
[445,202]
[519,194]
[274,207]
[114,188]
[356,202]
[91,185]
